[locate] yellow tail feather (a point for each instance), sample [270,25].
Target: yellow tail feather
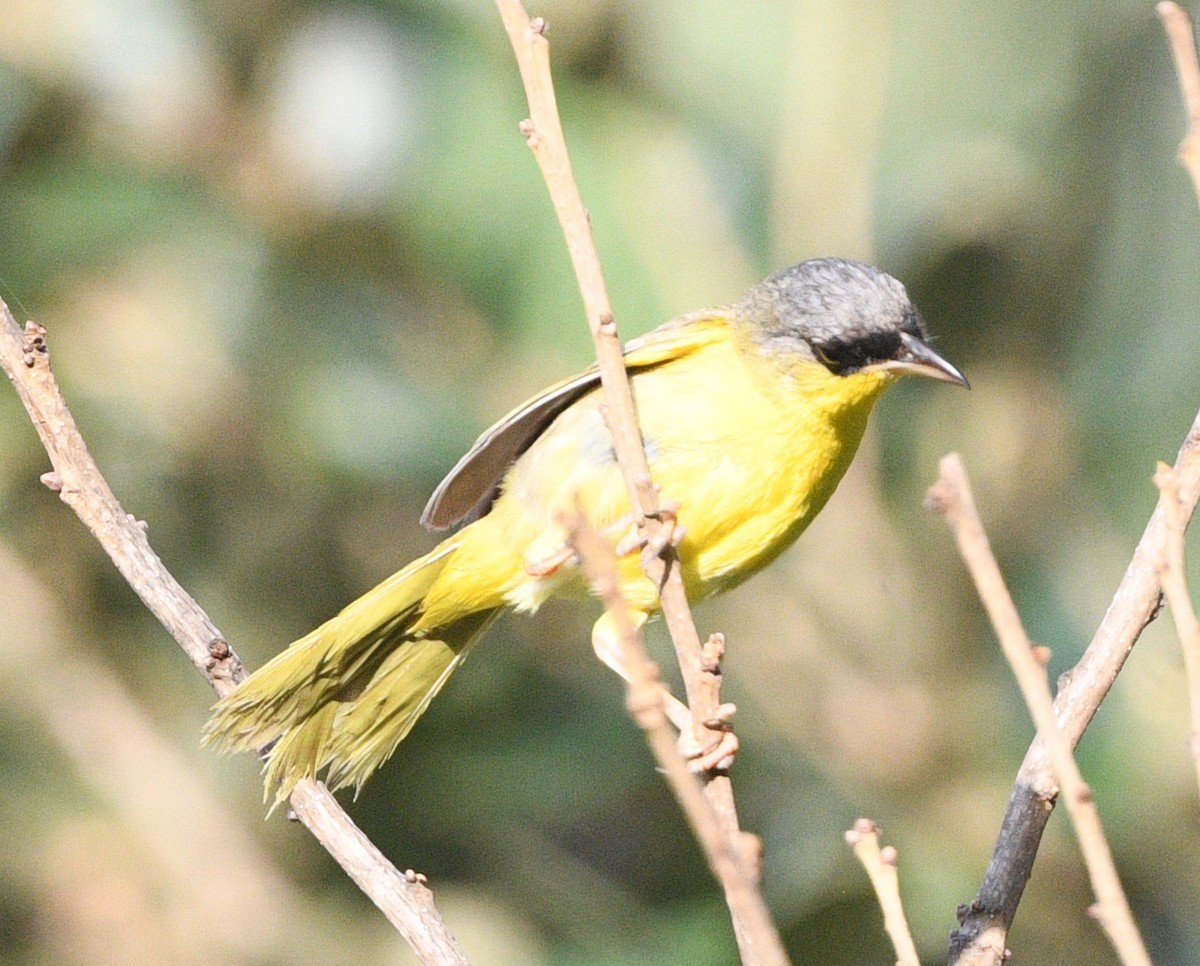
[344,696]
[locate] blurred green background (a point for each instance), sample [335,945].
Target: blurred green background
[293,256]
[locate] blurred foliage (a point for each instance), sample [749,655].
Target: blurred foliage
[294,255]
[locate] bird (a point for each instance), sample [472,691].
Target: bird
[750,415]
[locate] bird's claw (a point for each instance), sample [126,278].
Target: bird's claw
[717,756]
[548,564]
[703,751]
[669,534]
[630,543]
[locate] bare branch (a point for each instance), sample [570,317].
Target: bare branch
[1174,583]
[78,482]
[645,702]
[543,132]
[1182,39]
[951,497]
[544,135]
[403,897]
[985,922]
[25,358]
[881,866]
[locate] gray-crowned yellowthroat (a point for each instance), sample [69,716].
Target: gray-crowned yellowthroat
[750,414]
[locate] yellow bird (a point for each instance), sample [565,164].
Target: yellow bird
[750,415]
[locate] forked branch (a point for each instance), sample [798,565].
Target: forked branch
[951,497]
[984,924]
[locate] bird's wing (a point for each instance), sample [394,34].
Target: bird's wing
[471,487]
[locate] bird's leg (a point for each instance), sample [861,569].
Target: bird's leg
[714,756]
[607,647]
[696,744]
[705,754]
[669,534]
[553,551]
[548,564]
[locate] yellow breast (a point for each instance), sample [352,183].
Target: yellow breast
[753,457]
[748,446]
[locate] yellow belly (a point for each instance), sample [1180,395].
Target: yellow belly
[749,455]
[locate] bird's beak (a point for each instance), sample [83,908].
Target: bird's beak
[915,358]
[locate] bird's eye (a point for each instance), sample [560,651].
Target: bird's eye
[843,357]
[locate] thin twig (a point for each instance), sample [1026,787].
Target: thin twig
[951,497]
[644,698]
[544,135]
[543,132]
[24,356]
[1174,584]
[882,870]
[78,482]
[984,924]
[1182,39]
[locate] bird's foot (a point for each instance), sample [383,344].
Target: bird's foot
[712,747]
[668,534]
[550,563]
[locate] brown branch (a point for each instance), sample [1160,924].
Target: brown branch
[1182,39]
[119,753]
[75,477]
[78,482]
[985,922]
[543,132]
[645,697]
[951,497]
[1174,584]
[882,870]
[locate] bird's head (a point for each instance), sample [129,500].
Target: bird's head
[847,316]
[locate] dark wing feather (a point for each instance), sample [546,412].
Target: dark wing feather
[470,489]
